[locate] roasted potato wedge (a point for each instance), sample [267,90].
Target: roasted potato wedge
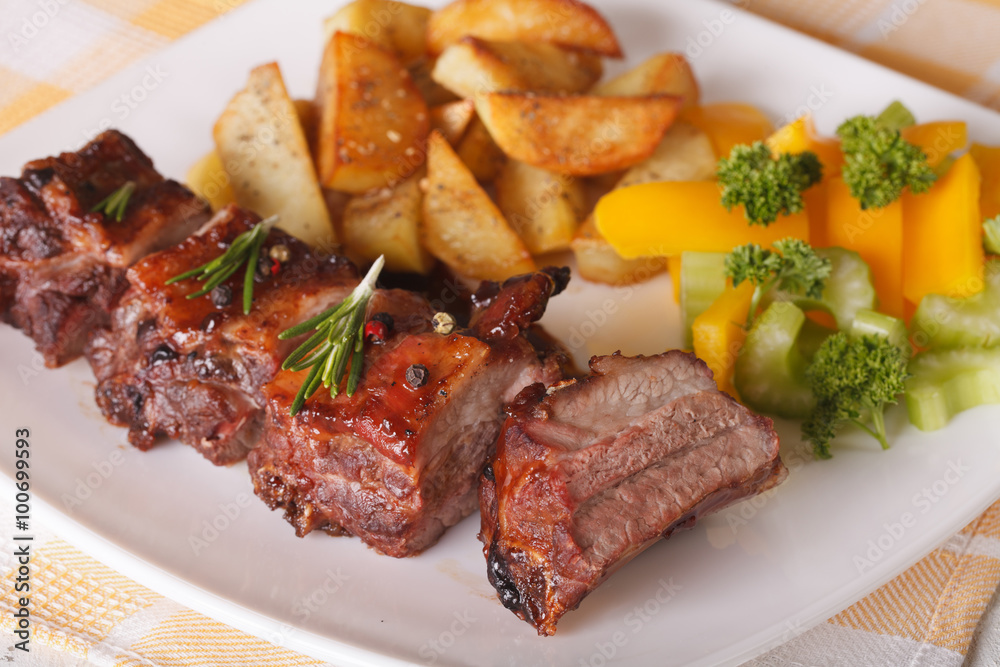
[473,66]
[461,226]
[685,154]
[208,179]
[543,207]
[598,262]
[480,153]
[372,120]
[568,23]
[453,119]
[309,119]
[387,222]
[395,26]
[261,144]
[433,93]
[580,135]
[664,73]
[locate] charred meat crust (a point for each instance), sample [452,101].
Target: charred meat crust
[62,266]
[592,472]
[395,464]
[192,369]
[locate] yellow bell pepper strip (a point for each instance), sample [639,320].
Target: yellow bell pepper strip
[719,332]
[943,235]
[876,234]
[208,179]
[938,140]
[671,217]
[988,160]
[798,136]
[728,124]
[674,267]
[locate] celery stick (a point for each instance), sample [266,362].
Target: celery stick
[871,323]
[703,279]
[972,321]
[848,289]
[770,369]
[943,383]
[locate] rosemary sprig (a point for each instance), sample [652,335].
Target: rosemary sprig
[244,248]
[339,336]
[114,204]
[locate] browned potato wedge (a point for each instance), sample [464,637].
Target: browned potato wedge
[597,261]
[685,154]
[208,179]
[395,26]
[568,23]
[309,119]
[664,73]
[473,66]
[373,120]
[461,225]
[387,222]
[480,153]
[453,119]
[544,208]
[580,135]
[264,151]
[433,93]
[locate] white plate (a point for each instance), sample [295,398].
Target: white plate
[737,584]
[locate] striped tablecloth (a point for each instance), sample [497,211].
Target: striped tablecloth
[938,613]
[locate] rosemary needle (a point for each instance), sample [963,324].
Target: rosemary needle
[245,248]
[114,204]
[338,338]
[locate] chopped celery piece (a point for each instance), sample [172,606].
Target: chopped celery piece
[848,289]
[872,323]
[991,235]
[895,116]
[943,383]
[703,279]
[973,321]
[770,369]
[811,337]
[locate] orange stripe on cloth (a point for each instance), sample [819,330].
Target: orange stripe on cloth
[188,638]
[943,76]
[29,104]
[939,600]
[830,20]
[173,18]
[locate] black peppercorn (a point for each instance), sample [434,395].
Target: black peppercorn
[222,296]
[417,375]
[162,354]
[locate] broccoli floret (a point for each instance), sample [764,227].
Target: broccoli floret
[794,268]
[766,186]
[991,235]
[878,163]
[853,380]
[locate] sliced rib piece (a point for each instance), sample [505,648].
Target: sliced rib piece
[397,464]
[192,369]
[593,472]
[62,266]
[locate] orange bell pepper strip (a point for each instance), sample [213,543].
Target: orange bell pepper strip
[674,267]
[670,217]
[876,234]
[798,136]
[942,235]
[728,124]
[988,160]
[938,139]
[719,333]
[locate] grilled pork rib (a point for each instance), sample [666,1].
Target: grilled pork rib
[192,369]
[396,464]
[593,472]
[62,266]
